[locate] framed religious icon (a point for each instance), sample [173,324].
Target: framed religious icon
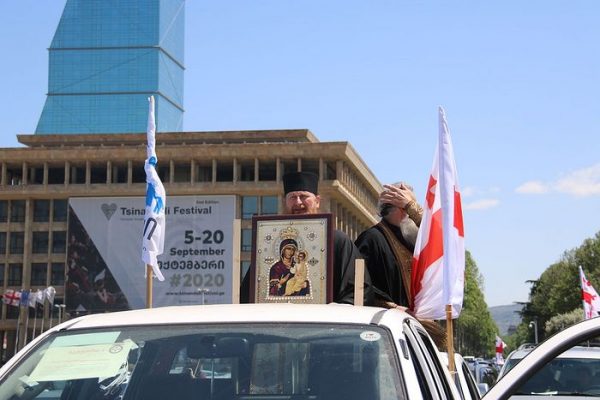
[292,259]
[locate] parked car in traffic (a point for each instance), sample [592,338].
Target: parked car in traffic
[242,352]
[564,366]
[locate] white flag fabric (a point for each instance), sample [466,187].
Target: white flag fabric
[439,258]
[153,238]
[591,301]
[49,294]
[500,346]
[40,297]
[11,297]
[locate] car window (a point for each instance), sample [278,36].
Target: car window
[575,376]
[215,362]
[471,385]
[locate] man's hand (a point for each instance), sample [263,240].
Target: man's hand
[397,195]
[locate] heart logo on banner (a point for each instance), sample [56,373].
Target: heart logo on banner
[108,210]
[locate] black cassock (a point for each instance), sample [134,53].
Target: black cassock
[382,265]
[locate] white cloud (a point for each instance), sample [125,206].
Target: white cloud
[532,187]
[483,204]
[582,182]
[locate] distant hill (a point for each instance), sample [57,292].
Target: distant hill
[506,317]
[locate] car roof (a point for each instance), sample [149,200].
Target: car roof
[574,352]
[233,313]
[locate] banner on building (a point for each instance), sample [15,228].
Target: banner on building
[103,263]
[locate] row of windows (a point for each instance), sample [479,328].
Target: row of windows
[14,210]
[191,171]
[40,244]
[12,274]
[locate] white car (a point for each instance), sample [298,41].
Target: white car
[242,352]
[465,383]
[562,367]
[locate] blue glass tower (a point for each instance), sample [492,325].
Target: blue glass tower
[106,58]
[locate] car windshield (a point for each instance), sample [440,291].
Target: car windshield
[261,361]
[565,376]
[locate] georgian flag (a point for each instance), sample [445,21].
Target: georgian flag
[11,297]
[438,265]
[500,346]
[591,301]
[153,238]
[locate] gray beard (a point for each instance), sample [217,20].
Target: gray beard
[409,230]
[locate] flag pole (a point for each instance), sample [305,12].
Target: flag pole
[450,339]
[35,313]
[149,273]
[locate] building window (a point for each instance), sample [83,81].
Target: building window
[38,274]
[39,243]
[138,174]
[2,274]
[203,172]
[246,169]
[59,242]
[41,210]
[119,174]
[2,243]
[16,242]
[246,239]
[78,174]
[36,175]
[15,272]
[330,170]
[56,176]
[289,166]
[59,210]
[225,171]
[267,171]
[3,210]
[57,274]
[269,205]
[182,173]
[309,165]
[17,211]
[249,206]
[14,175]
[98,174]
[12,312]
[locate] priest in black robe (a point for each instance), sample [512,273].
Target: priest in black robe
[301,197]
[388,246]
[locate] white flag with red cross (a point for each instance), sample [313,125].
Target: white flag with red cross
[11,297]
[591,301]
[438,266]
[500,346]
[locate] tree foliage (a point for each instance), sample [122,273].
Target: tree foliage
[475,329]
[558,292]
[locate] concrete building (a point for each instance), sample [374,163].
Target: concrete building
[36,182]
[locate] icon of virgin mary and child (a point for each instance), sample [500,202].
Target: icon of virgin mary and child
[289,275]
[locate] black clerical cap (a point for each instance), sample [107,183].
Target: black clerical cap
[301,182]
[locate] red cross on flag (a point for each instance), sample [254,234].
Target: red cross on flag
[438,266]
[11,297]
[500,346]
[591,301]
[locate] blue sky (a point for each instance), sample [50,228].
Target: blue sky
[519,81]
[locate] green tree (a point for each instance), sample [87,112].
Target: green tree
[476,331]
[558,291]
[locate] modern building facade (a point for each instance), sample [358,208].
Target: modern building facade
[106,58]
[37,181]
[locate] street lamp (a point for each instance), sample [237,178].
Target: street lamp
[533,324]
